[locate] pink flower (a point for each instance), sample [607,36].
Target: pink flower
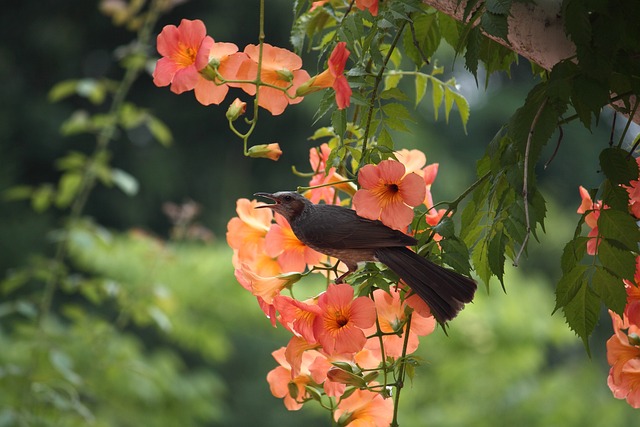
[332,77]
[387,194]
[628,386]
[634,195]
[371,5]
[318,157]
[185,51]
[247,231]
[292,254]
[591,218]
[414,161]
[317,4]
[339,326]
[211,90]
[364,408]
[262,278]
[266,151]
[297,316]
[287,386]
[392,317]
[623,355]
[280,68]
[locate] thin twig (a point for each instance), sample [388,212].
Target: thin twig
[417,44]
[553,155]
[613,128]
[629,120]
[525,182]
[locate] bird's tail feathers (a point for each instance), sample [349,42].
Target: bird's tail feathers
[445,291]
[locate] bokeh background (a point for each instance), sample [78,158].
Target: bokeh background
[179,342]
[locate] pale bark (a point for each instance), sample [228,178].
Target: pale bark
[535,33]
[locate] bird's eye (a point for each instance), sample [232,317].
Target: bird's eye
[287,198]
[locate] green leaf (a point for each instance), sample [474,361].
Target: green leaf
[159,130]
[78,122]
[618,262]
[391,80]
[384,138]
[455,254]
[421,84]
[68,188]
[18,192]
[339,122]
[495,25]
[496,255]
[574,252]
[568,285]
[396,115]
[438,96]
[62,90]
[615,196]
[481,262]
[448,102]
[618,165]
[463,108]
[610,289]
[449,28]
[501,7]
[582,312]
[427,38]
[472,54]
[42,197]
[576,21]
[125,182]
[620,226]
[445,228]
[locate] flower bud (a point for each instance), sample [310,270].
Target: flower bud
[307,87]
[236,109]
[266,151]
[285,75]
[342,376]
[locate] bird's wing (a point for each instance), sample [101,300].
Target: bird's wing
[341,228]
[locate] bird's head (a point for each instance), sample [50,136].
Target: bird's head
[287,203]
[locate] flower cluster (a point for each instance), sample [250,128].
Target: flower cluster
[192,60]
[341,341]
[623,348]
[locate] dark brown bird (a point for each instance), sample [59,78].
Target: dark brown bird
[339,232]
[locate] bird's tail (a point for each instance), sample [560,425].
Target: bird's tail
[444,290]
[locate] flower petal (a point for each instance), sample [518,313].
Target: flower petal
[412,189]
[366,204]
[369,176]
[391,171]
[397,216]
[207,92]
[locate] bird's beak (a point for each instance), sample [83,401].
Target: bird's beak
[266,196]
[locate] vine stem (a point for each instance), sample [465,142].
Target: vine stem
[453,205]
[377,85]
[89,173]
[401,373]
[525,182]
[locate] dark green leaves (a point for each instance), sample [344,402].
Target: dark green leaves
[585,285]
[618,166]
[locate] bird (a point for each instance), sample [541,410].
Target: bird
[339,232]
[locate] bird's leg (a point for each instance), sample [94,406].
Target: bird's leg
[341,278]
[350,269]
